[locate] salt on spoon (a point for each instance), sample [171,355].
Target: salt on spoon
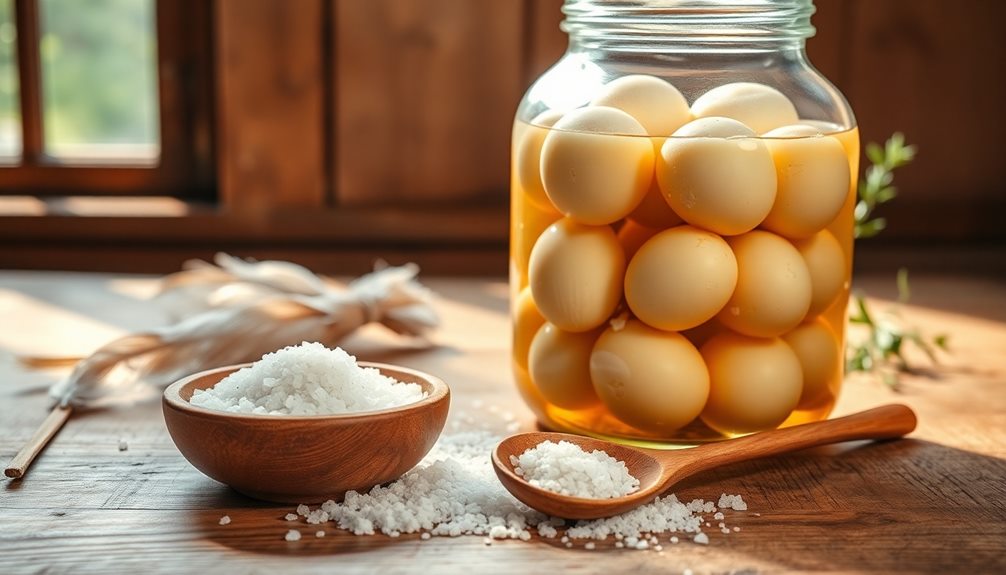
[567,469]
[658,470]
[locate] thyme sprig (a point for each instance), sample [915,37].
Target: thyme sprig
[883,350]
[877,187]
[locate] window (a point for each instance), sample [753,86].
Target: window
[105,97]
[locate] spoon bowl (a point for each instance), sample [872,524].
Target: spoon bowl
[641,464]
[305,459]
[657,471]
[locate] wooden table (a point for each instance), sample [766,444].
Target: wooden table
[930,503]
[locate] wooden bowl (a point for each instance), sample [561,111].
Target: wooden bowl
[305,459]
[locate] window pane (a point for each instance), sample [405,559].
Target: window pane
[99,79]
[10,112]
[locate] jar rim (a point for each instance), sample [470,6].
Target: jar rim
[688,25]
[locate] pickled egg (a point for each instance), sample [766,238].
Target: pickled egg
[528,221]
[527,159]
[576,274]
[655,103]
[595,166]
[817,348]
[826,264]
[527,320]
[725,183]
[700,334]
[680,278]
[559,364]
[754,383]
[761,107]
[632,236]
[653,380]
[813,175]
[773,286]
[654,211]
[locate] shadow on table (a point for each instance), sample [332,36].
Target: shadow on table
[261,527]
[894,506]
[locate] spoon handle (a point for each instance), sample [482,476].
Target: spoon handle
[884,422]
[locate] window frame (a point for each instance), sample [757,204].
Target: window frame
[185,167]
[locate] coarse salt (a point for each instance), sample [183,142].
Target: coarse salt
[292,535]
[225,520]
[308,379]
[567,469]
[454,491]
[735,502]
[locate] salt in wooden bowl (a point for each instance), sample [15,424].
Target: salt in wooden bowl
[305,459]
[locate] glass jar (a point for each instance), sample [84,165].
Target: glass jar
[683,184]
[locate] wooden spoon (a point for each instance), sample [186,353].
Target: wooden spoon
[658,470]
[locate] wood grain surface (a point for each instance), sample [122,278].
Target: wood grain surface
[932,503]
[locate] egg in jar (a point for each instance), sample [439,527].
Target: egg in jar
[760,107]
[828,270]
[680,278]
[657,105]
[817,348]
[596,164]
[559,364]
[813,178]
[527,321]
[773,290]
[658,396]
[653,210]
[632,236]
[527,158]
[716,175]
[575,274]
[529,221]
[754,383]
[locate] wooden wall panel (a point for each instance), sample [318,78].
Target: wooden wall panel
[828,45]
[425,94]
[544,41]
[270,93]
[934,70]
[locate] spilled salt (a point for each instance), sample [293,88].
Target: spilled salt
[454,491]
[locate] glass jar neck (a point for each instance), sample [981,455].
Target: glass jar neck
[687,26]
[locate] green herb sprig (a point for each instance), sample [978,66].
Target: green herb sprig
[876,187]
[883,351]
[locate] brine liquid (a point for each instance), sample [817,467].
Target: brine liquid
[527,223]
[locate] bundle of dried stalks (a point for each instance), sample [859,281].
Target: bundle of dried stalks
[234,312]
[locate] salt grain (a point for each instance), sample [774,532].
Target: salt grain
[589,546]
[735,502]
[290,517]
[454,491]
[123,445]
[567,469]
[292,535]
[424,536]
[319,534]
[225,520]
[308,379]
[701,539]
